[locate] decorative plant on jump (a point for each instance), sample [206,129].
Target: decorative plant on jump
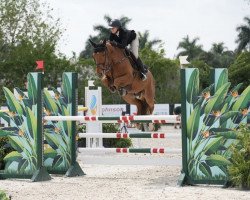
[58,134]
[22,131]
[211,126]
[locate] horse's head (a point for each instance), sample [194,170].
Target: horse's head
[101,58]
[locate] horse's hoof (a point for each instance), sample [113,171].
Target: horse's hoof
[138,95]
[122,92]
[112,89]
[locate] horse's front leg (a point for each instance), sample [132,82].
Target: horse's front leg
[108,83]
[123,84]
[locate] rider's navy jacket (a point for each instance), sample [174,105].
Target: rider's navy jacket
[124,38]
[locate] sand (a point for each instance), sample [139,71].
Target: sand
[139,177]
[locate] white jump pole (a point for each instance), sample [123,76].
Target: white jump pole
[130,150]
[165,119]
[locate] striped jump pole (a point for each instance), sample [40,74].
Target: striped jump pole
[162,119]
[123,135]
[130,150]
[79,109]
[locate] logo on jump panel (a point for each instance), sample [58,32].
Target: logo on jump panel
[93,105]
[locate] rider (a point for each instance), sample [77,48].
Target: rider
[122,38]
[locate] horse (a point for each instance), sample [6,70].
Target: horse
[114,67]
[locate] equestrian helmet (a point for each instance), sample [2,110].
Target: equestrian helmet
[115,23]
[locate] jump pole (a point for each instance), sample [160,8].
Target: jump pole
[130,150]
[162,119]
[125,135]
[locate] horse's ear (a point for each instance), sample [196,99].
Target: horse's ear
[104,42]
[92,43]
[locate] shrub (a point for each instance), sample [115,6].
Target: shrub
[108,142]
[4,150]
[3,195]
[81,142]
[239,171]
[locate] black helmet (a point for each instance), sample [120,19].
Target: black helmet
[115,23]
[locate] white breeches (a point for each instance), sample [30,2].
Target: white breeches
[134,46]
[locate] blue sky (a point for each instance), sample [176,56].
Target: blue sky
[169,20]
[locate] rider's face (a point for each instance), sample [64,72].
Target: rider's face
[114,30]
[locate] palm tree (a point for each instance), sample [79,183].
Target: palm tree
[218,56]
[190,48]
[243,39]
[218,48]
[103,33]
[144,40]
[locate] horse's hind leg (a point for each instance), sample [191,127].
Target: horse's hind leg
[130,99]
[150,95]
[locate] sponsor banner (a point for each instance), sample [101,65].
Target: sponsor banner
[117,109]
[113,110]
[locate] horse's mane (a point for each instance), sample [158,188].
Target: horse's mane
[102,46]
[99,48]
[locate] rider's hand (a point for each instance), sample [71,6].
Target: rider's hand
[113,43]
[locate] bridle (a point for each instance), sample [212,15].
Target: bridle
[106,66]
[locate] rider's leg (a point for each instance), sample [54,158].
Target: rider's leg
[142,67]
[134,47]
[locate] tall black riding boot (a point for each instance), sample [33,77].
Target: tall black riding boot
[142,69]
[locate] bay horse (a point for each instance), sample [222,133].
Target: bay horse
[114,68]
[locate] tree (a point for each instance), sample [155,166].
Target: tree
[189,48]
[28,33]
[239,71]
[218,48]
[166,74]
[204,72]
[144,40]
[103,32]
[218,56]
[243,39]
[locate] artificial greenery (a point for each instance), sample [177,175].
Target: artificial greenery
[212,121]
[239,170]
[22,135]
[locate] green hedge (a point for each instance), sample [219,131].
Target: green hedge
[239,171]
